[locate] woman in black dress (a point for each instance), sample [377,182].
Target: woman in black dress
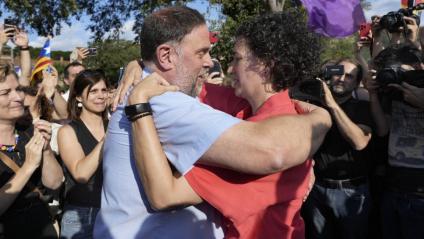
[80,146]
[27,166]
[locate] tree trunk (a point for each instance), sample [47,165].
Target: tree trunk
[275,5]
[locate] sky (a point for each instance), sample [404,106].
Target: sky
[76,35]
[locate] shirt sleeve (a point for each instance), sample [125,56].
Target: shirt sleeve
[223,99]
[187,127]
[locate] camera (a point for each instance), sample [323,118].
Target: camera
[397,75]
[312,90]
[392,21]
[332,70]
[10,24]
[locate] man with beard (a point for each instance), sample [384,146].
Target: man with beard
[338,204]
[175,45]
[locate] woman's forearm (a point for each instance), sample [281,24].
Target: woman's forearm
[14,186]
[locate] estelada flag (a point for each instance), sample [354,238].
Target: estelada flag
[43,60]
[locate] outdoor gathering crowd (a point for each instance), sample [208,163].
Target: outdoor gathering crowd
[175,152]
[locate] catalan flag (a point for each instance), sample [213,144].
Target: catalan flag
[43,59]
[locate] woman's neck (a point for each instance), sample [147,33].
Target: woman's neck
[7,133]
[92,119]
[259,98]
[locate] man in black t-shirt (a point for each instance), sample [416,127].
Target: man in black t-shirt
[338,205]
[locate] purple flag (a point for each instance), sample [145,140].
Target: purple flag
[334,18]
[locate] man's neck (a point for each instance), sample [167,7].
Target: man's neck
[152,67]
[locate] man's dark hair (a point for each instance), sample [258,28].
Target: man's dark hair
[166,25]
[398,54]
[360,73]
[72,64]
[285,44]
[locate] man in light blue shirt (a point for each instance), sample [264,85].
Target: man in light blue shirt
[176,46]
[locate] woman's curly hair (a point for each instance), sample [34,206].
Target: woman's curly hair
[285,44]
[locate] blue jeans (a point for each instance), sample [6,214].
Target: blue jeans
[340,213]
[78,222]
[402,216]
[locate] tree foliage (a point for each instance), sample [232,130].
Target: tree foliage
[111,55]
[47,17]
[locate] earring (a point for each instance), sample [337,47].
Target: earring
[79,105]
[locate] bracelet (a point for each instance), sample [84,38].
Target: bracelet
[141,115]
[24,48]
[136,109]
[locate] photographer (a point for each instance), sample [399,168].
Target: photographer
[403,199]
[400,28]
[338,205]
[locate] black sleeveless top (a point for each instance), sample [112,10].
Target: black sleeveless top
[26,197]
[87,194]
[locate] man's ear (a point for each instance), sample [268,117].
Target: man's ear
[164,56]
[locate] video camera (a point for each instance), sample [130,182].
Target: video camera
[392,21]
[311,90]
[397,75]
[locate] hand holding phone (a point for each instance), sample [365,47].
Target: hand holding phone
[365,31]
[92,51]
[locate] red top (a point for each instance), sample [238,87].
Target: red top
[253,206]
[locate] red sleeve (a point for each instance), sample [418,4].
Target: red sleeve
[223,99]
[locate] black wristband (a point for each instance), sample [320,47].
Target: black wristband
[24,48]
[141,115]
[136,109]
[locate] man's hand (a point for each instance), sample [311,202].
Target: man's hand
[152,85]
[132,75]
[4,36]
[411,94]
[412,29]
[21,38]
[371,83]
[328,96]
[82,53]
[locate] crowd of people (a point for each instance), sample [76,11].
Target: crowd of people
[286,151]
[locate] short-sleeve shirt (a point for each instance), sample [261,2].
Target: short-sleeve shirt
[336,158]
[186,128]
[406,148]
[254,206]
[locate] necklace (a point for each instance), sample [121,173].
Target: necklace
[10,148]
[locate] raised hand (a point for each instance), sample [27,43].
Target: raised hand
[132,75]
[21,38]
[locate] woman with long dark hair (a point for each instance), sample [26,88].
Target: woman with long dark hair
[80,146]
